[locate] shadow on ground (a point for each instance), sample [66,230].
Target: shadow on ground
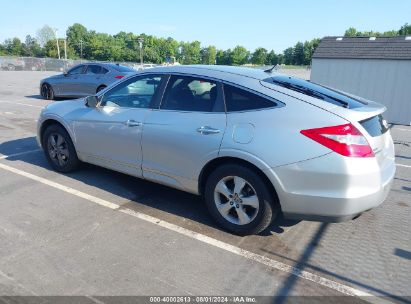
[187,206]
[136,190]
[34,97]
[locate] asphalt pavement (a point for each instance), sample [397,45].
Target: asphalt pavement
[102,233]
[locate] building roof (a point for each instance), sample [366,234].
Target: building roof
[398,47]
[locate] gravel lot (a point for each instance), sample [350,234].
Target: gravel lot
[56,243]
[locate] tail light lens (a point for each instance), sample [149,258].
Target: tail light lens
[345,140]
[119,76]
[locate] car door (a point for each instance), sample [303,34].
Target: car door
[110,134]
[185,132]
[90,80]
[68,85]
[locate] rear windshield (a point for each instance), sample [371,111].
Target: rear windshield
[375,126]
[315,90]
[122,68]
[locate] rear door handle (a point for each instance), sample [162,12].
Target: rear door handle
[133,123]
[206,130]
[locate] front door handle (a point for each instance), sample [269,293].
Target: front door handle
[133,123]
[206,130]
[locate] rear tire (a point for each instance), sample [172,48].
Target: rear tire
[100,88]
[239,200]
[59,149]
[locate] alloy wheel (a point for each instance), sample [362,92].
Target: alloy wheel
[236,200]
[58,149]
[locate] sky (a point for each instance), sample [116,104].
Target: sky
[224,23]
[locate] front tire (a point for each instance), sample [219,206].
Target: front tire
[239,200]
[47,92]
[59,149]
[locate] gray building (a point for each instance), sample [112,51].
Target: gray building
[376,68]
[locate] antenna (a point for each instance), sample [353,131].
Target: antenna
[270,70]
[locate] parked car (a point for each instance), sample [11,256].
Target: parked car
[252,143]
[83,80]
[34,64]
[12,64]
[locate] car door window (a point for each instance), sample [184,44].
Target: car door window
[93,69]
[103,71]
[133,93]
[237,99]
[185,93]
[76,70]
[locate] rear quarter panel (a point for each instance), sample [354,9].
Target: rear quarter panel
[273,135]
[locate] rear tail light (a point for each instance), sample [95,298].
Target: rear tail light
[119,76]
[345,140]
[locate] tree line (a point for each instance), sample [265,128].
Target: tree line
[90,45]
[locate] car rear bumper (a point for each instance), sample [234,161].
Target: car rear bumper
[332,188]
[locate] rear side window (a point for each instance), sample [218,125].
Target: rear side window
[104,71]
[122,68]
[241,100]
[93,69]
[186,93]
[315,90]
[375,126]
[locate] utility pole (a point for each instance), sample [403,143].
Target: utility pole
[57,42]
[81,50]
[65,48]
[140,42]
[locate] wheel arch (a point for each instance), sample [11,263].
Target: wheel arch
[102,87]
[52,121]
[50,86]
[213,164]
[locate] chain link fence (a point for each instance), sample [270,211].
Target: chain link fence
[11,63]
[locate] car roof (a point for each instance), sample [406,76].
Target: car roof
[217,71]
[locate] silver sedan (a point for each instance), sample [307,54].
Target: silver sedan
[253,143]
[83,80]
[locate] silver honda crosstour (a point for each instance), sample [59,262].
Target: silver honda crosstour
[83,80]
[253,143]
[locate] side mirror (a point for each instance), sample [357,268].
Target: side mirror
[91,101]
[65,74]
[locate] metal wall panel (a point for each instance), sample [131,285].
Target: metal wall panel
[384,81]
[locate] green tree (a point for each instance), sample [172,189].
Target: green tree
[14,47]
[351,32]
[239,55]
[405,30]
[259,56]
[208,55]
[272,58]
[191,52]
[280,58]
[223,57]
[288,56]
[50,50]
[309,48]
[31,47]
[78,37]
[167,48]
[45,34]
[298,54]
